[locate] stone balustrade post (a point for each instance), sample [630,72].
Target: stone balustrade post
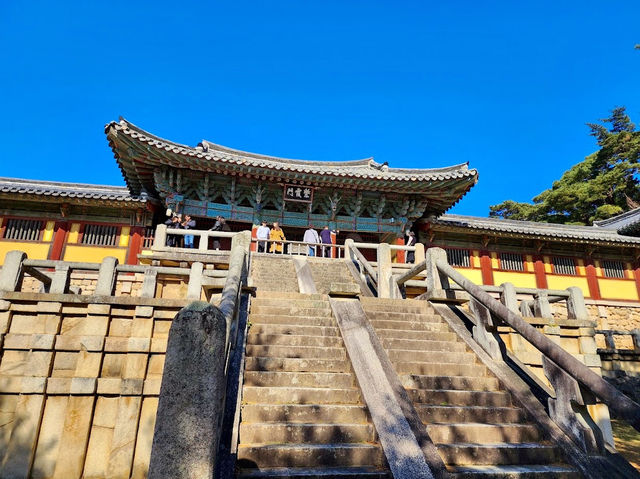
[149,283]
[484,330]
[541,306]
[635,336]
[419,254]
[385,274]
[61,278]
[348,250]
[436,282]
[12,271]
[107,277]
[194,290]
[609,342]
[509,298]
[160,238]
[576,308]
[203,245]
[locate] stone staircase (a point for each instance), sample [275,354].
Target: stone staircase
[302,412]
[469,415]
[273,272]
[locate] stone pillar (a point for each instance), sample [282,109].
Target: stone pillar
[384,271]
[107,277]
[194,290]
[436,283]
[541,306]
[419,253]
[160,239]
[509,298]
[12,271]
[188,422]
[60,281]
[576,308]
[348,250]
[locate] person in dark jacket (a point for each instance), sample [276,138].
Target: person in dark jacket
[173,222]
[411,241]
[325,236]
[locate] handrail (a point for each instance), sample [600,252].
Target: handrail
[391,246]
[302,245]
[624,407]
[365,264]
[417,269]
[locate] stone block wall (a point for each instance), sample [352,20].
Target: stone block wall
[79,383]
[326,271]
[271,272]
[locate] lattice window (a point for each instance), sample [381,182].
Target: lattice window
[149,234]
[23,230]
[512,261]
[564,265]
[100,235]
[458,257]
[613,269]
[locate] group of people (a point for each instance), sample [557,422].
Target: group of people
[270,240]
[188,223]
[178,222]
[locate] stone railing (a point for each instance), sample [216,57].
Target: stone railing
[300,248]
[191,406]
[574,384]
[200,246]
[621,358]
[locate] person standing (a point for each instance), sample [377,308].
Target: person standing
[411,241]
[311,236]
[325,235]
[173,222]
[276,236]
[262,235]
[188,224]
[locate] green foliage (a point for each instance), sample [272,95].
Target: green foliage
[605,184]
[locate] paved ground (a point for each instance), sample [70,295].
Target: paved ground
[627,441]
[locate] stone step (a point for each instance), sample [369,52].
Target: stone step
[478,433]
[315,473]
[328,413]
[297,302]
[409,326]
[394,304]
[299,379]
[544,471]
[423,345]
[402,316]
[309,455]
[436,369]
[294,329]
[291,310]
[498,454]
[299,433]
[280,351]
[444,397]
[461,414]
[257,363]
[299,395]
[292,320]
[404,334]
[294,340]
[289,295]
[465,383]
[442,357]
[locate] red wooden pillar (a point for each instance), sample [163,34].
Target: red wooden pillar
[135,244]
[541,275]
[400,254]
[59,238]
[636,276]
[254,232]
[333,241]
[485,268]
[592,279]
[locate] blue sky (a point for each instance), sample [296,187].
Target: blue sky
[505,86]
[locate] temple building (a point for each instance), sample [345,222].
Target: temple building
[363,200]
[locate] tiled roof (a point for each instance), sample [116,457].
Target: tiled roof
[540,230]
[139,154]
[626,222]
[70,191]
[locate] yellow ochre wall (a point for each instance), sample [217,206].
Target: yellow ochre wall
[34,250]
[564,282]
[93,254]
[474,275]
[618,289]
[521,280]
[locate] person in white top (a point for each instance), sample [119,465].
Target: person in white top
[263,236]
[311,236]
[411,241]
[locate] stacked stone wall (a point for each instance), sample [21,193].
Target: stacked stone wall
[79,384]
[270,272]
